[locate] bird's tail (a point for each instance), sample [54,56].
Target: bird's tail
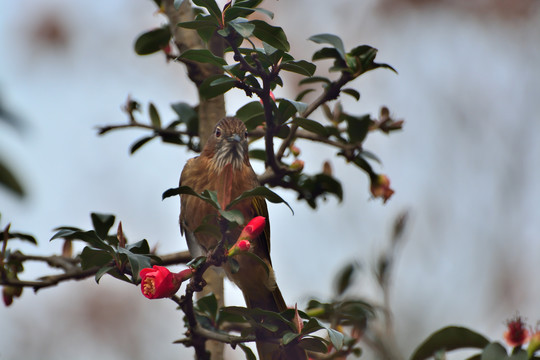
[268,350]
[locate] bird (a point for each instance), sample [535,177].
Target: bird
[225,155]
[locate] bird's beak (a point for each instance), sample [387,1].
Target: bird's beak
[235,137]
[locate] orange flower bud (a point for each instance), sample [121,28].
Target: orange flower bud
[380,187]
[297,165]
[516,334]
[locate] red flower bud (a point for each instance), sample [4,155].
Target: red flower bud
[253,228]
[516,334]
[159,282]
[380,187]
[243,245]
[297,165]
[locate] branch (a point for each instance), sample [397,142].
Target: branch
[330,93]
[72,271]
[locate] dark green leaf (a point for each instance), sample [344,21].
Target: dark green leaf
[355,94]
[313,344]
[248,352]
[449,338]
[272,35]
[211,6]
[300,96]
[102,223]
[358,127]
[235,216]
[91,257]
[208,305]
[8,179]
[139,143]
[102,271]
[140,247]
[243,27]
[263,192]
[288,337]
[203,56]
[152,41]
[494,351]
[258,154]
[136,261]
[311,125]
[89,237]
[326,53]
[197,262]
[314,79]
[154,116]
[301,67]
[170,192]
[21,236]
[215,85]
[344,278]
[208,196]
[330,39]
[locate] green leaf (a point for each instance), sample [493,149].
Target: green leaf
[208,305]
[272,35]
[327,53]
[90,237]
[301,95]
[330,39]
[242,27]
[301,67]
[494,351]
[91,257]
[207,196]
[136,261]
[313,344]
[262,11]
[102,223]
[449,338]
[215,85]
[102,271]
[263,192]
[211,6]
[152,41]
[257,154]
[358,127]
[336,338]
[314,79]
[203,56]
[352,92]
[251,114]
[139,143]
[259,260]
[311,125]
[8,179]
[20,236]
[169,193]
[248,352]
[344,278]
[154,116]
[288,337]
[235,216]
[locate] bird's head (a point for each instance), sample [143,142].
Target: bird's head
[228,144]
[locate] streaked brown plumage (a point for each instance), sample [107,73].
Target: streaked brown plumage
[228,145]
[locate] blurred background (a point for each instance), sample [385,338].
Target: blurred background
[466,167]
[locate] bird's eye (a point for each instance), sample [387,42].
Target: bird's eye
[246,134]
[218,132]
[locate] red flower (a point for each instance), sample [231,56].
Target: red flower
[253,228]
[516,335]
[159,282]
[380,187]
